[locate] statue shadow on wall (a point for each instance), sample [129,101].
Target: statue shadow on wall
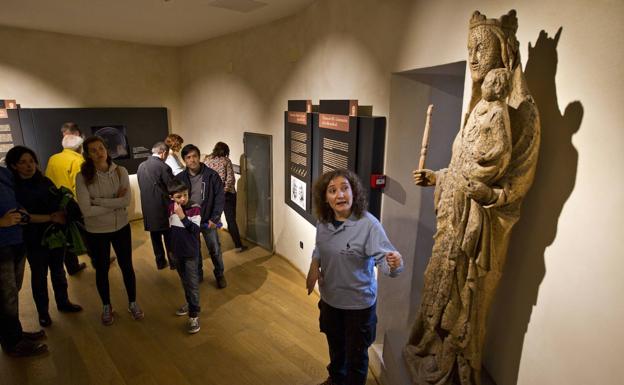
[537,228]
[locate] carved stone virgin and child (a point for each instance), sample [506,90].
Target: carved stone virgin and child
[477,202]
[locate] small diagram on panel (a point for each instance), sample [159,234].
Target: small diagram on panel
[298,192]
[116,140]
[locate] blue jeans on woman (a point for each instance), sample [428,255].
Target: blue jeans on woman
[349,335]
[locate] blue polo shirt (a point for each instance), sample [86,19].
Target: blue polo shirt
[348,254]
[8,235]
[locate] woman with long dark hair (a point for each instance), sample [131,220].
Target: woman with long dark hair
[36,194]
[220,161]
[103,193]
[350,242]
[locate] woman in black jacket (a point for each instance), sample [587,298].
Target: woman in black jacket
[35,193]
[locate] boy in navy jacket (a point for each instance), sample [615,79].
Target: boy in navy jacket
[184,221]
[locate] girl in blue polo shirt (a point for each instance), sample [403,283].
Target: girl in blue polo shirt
[350,242]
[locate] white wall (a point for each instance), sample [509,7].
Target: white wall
[50,70]
[564,296]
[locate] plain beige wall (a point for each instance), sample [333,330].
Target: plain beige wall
[558,315]
[49,70]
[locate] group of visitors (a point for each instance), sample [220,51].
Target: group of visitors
[181,198]
[80,206]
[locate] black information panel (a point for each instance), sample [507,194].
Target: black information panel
[337,135]
[298,157]
[345,140]
[334,138]
[129,133]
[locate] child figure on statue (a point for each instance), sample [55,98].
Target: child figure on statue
[487,134]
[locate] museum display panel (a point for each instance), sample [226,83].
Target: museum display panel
[333,138]
[298,157]
[129,132]
[10,133]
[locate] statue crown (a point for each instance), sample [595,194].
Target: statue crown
[507,23]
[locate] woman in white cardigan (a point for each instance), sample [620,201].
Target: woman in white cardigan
[103,194]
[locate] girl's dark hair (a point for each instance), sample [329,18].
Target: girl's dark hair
[176,186]
[13,157]
[324,213]
[220,149]
[88,167]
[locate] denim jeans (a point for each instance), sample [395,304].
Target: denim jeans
[12,262]
[41,260]
[211,237]
[349,335]
[189,275]
[161,254]
[99,246]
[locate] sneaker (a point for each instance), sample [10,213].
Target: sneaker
[136,311]
[193,325]
[241,249]
[221,282]
[107,315]
[183,310]
[27,348]
[45,320]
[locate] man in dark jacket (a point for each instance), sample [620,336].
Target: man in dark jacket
[206,189]
[153,175]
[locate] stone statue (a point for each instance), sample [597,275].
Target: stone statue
[477,202]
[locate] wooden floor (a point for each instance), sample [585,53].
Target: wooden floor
[261,330]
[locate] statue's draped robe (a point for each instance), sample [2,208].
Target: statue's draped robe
[469,250]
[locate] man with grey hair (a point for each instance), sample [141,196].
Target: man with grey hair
[62,169]
[153,175]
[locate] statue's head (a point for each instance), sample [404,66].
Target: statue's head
[492,44]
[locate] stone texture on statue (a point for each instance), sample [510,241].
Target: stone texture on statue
[477,202]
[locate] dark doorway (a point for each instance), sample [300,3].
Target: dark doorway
[259,188]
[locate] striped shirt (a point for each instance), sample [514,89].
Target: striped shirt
[184,234]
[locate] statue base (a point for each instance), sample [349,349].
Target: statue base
[394,369]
